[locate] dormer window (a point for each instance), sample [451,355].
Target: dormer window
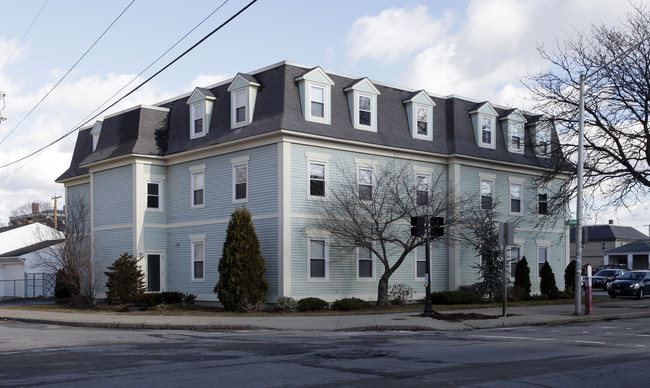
[362,101]
[243,94]
[201,102]
[97,129]
[315,88]
[484,122]
[513,131]
[419,111]
[543,139]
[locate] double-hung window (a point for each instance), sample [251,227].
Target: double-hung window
[420,262]
[362,102]
[542,203]
[487,194]
[240,179]
[419,113]
[542,257]
[365,110]
[198,257]
[515,256]
[317,96]
[487,129]
[422,121]
[153,196]
[318,259]
[365,264]
[240,106]
[543,140]
[422,189]
[198,116]
[198,185]
[515,198]
[317,171]
[517,137]
[365,182]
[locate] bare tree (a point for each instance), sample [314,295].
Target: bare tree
[27,208]
[73,258]
[616,62]
[377,216]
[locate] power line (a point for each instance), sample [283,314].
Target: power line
[24,35]
[90,116]
[136,88]
[68,72]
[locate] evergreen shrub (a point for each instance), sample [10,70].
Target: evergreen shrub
[125,280]
[347,304]
[311,304]
[547,284]
[522,276]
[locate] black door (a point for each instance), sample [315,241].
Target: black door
[153,273]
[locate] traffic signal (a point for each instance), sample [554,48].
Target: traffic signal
[417,226]
[437,228]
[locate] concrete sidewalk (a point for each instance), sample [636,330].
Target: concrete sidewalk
[517,316]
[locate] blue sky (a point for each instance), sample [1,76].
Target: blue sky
[478,49]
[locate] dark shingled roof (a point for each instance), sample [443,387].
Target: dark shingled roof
[633,247]
[611,232]
[154,131]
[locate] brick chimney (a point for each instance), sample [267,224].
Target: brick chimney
[611,222]
[35,207]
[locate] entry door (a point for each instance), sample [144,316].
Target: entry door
[153,272]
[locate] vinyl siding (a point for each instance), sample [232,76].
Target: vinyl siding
[109,245]
[113,197]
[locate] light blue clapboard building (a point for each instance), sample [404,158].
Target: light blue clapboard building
[162,181]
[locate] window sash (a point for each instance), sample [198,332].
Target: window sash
[365,110]
[317,259]
[515,198]
[198,184]
[420,262]
[517,137]
[365,266]
[241,180]
[542,203]
[365,184]
[197,118]
[198,260]
[542,257]
[240,106]
[316,179]
[422,121]
[153,196]
[486,129]
[515,256]
[317,101]
[487,192]
[422,190]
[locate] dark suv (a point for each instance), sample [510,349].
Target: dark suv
[606,276]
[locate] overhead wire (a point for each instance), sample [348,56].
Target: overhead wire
[68,72]
[136,88]
[10,57]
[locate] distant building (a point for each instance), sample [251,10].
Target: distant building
[601,238]
[45,217]
[636,255]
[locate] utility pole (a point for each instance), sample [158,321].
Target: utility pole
[55,209]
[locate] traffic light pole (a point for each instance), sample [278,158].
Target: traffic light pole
[428,310]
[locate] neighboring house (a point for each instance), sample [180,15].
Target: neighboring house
[22,249]
[46,217]
[162,181]
[601,238]
[636,255]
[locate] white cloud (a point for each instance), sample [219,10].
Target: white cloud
[205,80]
[395,33]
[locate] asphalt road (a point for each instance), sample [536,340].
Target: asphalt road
[598,354]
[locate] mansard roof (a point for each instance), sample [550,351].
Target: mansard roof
[163,130]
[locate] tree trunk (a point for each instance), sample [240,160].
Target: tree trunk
[382,291]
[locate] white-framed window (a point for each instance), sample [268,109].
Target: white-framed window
[542,257]
[239,179]
[603,246]
[543,138]
[420,262]
[487,130]
[419,112]
[197,174]
[317,180]
[365,264]
[517,137]
[487,194]
[542,203]
[515,256]
[317,101]
[318,259]
[362,101]
[197,119]
[240,97]
[365,180]
[154,196]
[516,192]
[197,257]
[422,189]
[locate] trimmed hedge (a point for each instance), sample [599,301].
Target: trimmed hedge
[311,304]
[349,304]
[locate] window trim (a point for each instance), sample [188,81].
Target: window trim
[197,239]
[363,88]
[238,163]
[234,106]
[492,130]
[373,266]
[545,246]
[372,182]
[514,181]
[325,241]
[428,178]
[492,188]
[511,126]
[421,248]
[193,107]
[159,195]
[195,171]
[310,101]
[310,196]
[544,141]
[546,193]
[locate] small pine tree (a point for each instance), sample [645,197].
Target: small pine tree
[570,276]
[486,242]
[547,284]
[241,267]
[125,280]
[522,275]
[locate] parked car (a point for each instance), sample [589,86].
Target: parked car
[602,278]
[634,283]
[611,266]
